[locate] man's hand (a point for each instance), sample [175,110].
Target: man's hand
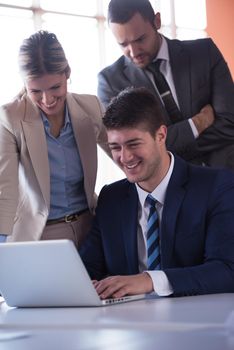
[204,118]
[119,286]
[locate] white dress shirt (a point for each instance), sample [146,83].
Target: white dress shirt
[161,284]
[165,69]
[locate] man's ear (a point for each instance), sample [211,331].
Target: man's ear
[157,21]
[161,134]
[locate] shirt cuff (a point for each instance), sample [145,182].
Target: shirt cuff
[194,129]
[162,286]
[3,238]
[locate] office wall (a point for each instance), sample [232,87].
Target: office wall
[220,27]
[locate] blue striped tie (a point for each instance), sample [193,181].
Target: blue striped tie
[153,253]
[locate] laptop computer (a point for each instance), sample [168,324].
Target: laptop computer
[47,274]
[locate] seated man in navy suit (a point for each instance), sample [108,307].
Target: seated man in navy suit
[192,216]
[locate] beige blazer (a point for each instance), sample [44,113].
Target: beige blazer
[24,164]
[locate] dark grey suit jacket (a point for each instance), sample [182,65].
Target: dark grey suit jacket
[201,76]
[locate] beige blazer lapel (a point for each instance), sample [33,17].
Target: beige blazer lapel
[86,141]
[37,147]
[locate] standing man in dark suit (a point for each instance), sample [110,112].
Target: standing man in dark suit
[192,223]
[198,77]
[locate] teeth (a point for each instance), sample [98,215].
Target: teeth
[50,105]
[132,166]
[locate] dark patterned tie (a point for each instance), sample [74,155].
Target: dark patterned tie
[153,251]
[165,92]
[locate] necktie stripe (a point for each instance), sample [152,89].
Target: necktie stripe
[152,219]
[153,252]
[154,249]
[151,229]
[153,240]
[150,241]
[153,256]
[155,264]
[152,232]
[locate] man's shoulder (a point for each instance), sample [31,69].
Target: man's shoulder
[113,197]
[194,45]
[117,191]
[115,67]
[117,186]
[203,176]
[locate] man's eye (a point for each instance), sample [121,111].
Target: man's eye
[140,40]
[134,145]
[114,148]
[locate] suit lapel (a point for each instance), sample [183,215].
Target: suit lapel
[174,198]
[129,217]
[180,66]
[86,142]
[129,220]
[37,148]
[137,76]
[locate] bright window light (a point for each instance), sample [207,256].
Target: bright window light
[85,7]
[79,38]
[165,11]
[113,51]
[24,3]
[10,43]
[88,43]
[190,14]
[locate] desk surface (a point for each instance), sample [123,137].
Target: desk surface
[204,322]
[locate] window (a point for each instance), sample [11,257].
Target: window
[81,50]
[182,19]
[82,29]
[10,40]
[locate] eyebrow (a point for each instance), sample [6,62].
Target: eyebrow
[127,142]
[50,87]
[132,41]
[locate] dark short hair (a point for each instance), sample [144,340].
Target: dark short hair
[133,107]
[121,11]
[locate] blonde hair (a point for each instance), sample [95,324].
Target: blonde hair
[41,54]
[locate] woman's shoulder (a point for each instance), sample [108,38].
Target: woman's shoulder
[89,104]
[17,102]
[83,99]
[15,111]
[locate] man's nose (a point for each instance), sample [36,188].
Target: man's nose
[125,155]
[133,50]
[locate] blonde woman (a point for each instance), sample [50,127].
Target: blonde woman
[48,150]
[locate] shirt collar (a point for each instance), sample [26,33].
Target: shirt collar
[159,193]
[163,52]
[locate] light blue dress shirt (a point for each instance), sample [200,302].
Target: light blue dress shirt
[67,193]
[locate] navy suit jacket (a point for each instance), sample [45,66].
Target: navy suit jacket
[196,232]
[201,76]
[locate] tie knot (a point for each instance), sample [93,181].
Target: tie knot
[154,66]
[151,200]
